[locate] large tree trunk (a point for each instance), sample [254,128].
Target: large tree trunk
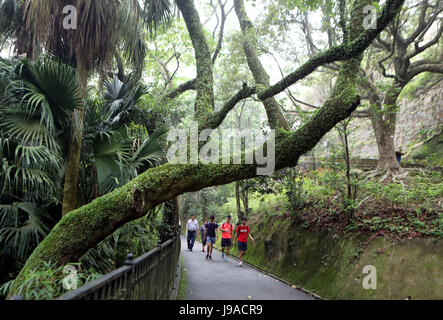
[183,212]
[384,119]
[237,200]
[384,129]
[204,206]
[204,101]
[245,199]
[74,152]
[171,212]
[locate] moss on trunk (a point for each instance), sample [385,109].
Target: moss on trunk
[273,110]
[204,102]
[74,151]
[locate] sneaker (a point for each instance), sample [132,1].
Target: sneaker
[210,258]
[223,255]
[227,260]
[207,257]
[240,264]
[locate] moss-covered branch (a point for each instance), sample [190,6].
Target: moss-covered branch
[216,119]
[186,86]
[273,110]
[340,53]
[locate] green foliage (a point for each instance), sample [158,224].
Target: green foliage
[137,237]
[295,193]
[39,97]
[260,204]
[430,153]
[36,100]
[109,149]
[304,4]
[46,282]
[299,4]
[422,189]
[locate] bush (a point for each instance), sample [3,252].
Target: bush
[46,282]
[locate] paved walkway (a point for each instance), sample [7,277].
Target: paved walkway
[218,280]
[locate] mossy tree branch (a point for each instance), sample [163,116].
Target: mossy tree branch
[273,110]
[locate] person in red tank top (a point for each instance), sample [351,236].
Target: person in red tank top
[227,231]
[241,233]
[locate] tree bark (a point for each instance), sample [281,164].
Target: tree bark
[384,118]
[204,101]
[171,212]
[204,207]
[237,200]
[245,198]
[74,151]
[261,77]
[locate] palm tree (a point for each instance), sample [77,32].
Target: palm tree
[104,28]
[117,156]
[11,28]
[36,99]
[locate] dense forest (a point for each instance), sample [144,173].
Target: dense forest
[346,96]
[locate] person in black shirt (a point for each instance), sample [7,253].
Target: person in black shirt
[211,236]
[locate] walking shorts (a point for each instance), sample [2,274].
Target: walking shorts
[226,243]
[242,246]
[211,240]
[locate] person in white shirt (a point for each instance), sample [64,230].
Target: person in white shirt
[191,231]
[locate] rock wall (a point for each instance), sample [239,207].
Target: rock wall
[332,265]
[419,117]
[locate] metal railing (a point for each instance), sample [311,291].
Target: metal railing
[149,277]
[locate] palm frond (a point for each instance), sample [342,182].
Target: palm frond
[23,235]
[157,14]
[21,125]
[29,171]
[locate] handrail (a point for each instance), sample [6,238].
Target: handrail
[148,277]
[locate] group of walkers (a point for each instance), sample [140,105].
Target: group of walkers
[209,232]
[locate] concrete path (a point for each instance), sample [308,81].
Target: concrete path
[219,280]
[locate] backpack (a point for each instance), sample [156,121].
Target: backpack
[223,226]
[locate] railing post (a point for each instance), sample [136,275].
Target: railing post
[129,276]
